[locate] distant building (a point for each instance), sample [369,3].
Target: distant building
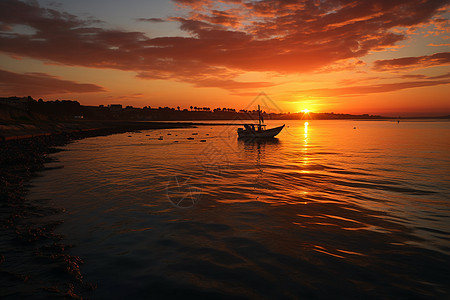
[115,106]
[19,102]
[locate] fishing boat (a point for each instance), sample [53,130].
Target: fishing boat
[258,130]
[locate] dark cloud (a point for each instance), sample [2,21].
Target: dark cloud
[219,17]
[417,62]
[41,84]
[152,20]
[226,38]
[447,75]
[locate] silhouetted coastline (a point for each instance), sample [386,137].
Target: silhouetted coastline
[27,108]
[28,227]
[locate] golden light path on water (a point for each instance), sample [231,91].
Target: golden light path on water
[358,207]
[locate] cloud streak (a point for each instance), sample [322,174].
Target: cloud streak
[151,20]
[41,84]
[409,63]
[351,91]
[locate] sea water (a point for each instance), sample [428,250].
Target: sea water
[329,209]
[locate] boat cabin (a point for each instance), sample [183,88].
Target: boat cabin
[251,127]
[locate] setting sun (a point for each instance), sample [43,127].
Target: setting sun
[306,111]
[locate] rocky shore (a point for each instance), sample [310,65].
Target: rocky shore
[33,260]
[77,129]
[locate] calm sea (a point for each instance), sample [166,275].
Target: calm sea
[330,209]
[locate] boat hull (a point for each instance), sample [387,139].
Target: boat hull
[269,133]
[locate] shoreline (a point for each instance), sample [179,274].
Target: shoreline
[27,227]
[79,129]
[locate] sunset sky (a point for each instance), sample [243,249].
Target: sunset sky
[387,57]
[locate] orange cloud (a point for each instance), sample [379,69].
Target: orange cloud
[439,45]
[407,63]
[41,84]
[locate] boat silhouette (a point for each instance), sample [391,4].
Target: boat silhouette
[251,131]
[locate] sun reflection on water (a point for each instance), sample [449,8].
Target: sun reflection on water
[305,144]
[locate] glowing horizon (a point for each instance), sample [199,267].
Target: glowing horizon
[377,57]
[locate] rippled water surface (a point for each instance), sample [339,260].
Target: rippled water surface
[345,209]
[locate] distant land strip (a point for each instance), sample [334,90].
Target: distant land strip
[27,108]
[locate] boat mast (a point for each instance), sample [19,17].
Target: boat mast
[259,117]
